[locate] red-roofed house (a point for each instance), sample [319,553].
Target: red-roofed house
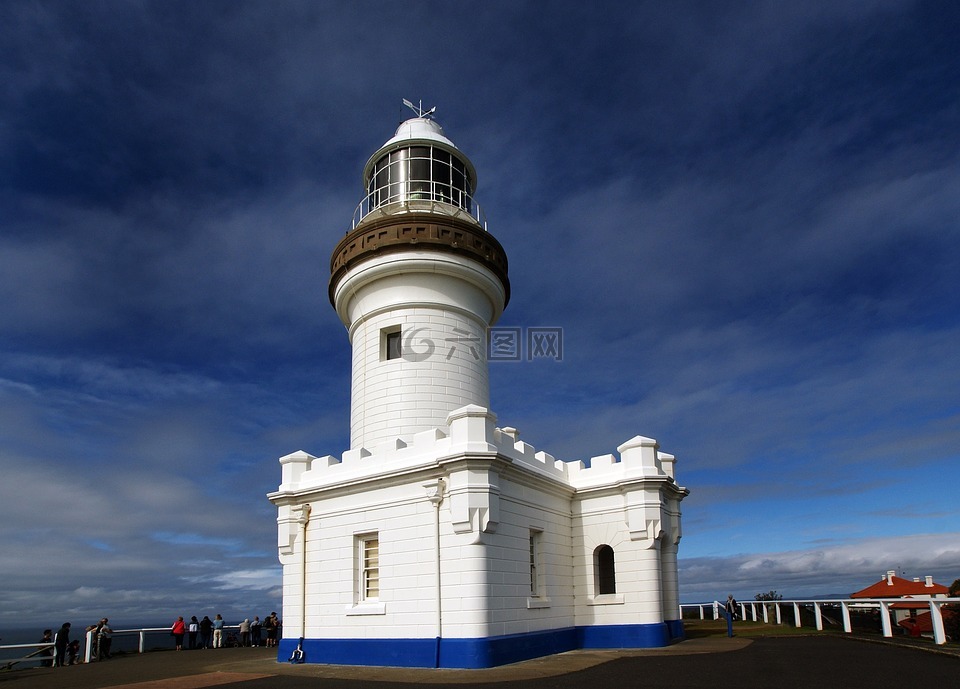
[922,624]
[891,586]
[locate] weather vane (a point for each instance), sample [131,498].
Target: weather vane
[418,108]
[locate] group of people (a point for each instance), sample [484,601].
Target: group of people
[67,652]
[207,633]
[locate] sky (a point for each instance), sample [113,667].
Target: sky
[743,216]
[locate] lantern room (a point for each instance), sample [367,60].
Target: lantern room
[419,164]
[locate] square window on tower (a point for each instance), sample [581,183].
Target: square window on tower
[390,344]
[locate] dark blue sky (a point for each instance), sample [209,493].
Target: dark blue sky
[744,218]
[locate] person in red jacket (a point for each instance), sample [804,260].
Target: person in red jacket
[178,629]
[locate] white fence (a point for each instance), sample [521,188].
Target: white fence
[88,647]
[38,655]
[762,610]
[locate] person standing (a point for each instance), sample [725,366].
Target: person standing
[255,631]
[269,624]
[105,639]
[60,644]
[245,632]
[178,630]
[47,652]
[206,629]
[218,631]
[192,630]
[731,610]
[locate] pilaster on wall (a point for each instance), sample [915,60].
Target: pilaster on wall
[474,483]
[642,513]
[474,498]
[290,519]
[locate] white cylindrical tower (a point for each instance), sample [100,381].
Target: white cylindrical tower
[417,282]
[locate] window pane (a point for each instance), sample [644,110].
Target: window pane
[605,570]
[420,169]
[370,575]
[458,181]
[441,172]
[393,346]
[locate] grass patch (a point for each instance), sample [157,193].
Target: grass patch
[703,629]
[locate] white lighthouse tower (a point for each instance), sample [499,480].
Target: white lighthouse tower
[439,539]
[417,282]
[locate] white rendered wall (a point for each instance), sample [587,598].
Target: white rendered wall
[496,489]
[401,397]
[525,507]
[485,578]
[443,304]
[599,521]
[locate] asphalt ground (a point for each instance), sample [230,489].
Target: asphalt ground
[806,662]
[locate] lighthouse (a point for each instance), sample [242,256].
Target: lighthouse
[439,538]
[417,282]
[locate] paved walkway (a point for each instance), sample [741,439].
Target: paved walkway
[715,663]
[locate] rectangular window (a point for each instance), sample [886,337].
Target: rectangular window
[535,563]
[390,342]
[369,557]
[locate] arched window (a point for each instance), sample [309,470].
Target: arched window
[604,571]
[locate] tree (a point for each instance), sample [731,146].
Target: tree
[770,595]
[951,613]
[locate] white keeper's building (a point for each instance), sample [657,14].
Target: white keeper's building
[440,539]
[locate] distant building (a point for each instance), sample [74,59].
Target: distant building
[891,586]
[440,539]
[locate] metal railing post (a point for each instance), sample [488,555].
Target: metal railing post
[845,611]
[818,615]
[796,616]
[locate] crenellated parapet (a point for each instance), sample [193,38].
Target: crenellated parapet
[471,432]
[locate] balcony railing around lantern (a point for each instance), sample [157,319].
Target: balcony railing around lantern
[420,196]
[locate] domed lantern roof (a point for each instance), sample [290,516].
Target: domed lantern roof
[422,131]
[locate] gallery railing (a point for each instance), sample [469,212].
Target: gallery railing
[459,204]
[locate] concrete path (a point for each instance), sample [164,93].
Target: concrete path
[715,663]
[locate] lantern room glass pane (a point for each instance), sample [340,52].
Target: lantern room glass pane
[420,173]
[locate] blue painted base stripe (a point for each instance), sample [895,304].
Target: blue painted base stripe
[480,652]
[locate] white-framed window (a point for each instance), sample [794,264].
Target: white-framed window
[535,569]
[368,567]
